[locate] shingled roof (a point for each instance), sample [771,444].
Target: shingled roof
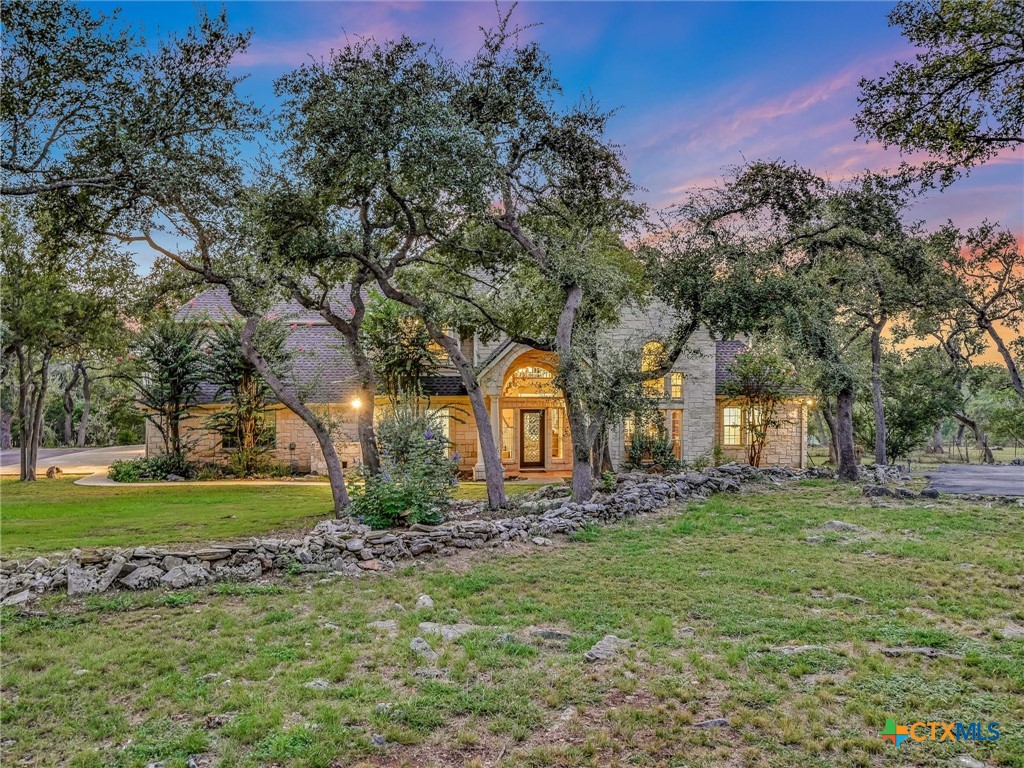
[321,368]
[725,353]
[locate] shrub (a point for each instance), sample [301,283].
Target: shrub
[416,475]
[152,468]
[650,444]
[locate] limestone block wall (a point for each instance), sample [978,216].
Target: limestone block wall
[786,445]
[698,368]
[295,445]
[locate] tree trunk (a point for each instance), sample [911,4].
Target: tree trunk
[844,436]
[582,471]
[69,405]
[364,416]
[825,412]
[881,433]
[31,400]
[980,437]
[494,473]
[936,443]
[335,473]
[83,424]
[1011,364]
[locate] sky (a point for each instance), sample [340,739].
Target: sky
[696,86]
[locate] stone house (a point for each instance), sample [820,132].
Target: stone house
[526,410]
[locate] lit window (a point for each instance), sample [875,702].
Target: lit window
[652,358]
[628,428]
[675,385]
[507,432]
[731,433]
[556,433]
[443,421]
[675,432]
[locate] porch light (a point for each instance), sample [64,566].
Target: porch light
[357,403]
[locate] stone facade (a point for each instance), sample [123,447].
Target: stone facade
[785,445]
[294,443]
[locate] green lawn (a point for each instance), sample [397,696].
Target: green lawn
[56,515]
[129,679]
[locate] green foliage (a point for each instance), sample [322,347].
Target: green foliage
[244,422]
[960,100]
[416,475]
[400,348]
[762,380]
[165,370]
[649,443]
[152,468]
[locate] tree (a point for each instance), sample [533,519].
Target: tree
[242,422]
[400,348]
[986,271]
[88,107]
[919,393]
[762,380]
[962,99]
[57,293]
[166,369]
[374,138]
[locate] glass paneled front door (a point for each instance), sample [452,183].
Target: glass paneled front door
[531,442]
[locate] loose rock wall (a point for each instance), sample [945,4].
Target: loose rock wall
[348,547]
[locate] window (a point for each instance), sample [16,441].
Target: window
[443,420]
[556,433]
[675,385]
[731,432]
[628,430]
[675,432]
[530,381]
[652,358]
[507,432]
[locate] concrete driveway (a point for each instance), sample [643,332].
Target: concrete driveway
[977,478]
[73,461]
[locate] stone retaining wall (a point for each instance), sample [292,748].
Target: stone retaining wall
[348,547]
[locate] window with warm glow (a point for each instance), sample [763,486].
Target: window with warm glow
[507,432]
[675,385]
[443,420]
[556,433]
[731,431]
[675,432]
[651,359]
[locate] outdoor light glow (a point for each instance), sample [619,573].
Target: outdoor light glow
[357,403]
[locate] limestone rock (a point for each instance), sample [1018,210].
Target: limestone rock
[607,647]
[184,576]
[146,577]
[425,601]
[81,582]
[423,649]
[446,631]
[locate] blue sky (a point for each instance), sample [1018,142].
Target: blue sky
[697,86]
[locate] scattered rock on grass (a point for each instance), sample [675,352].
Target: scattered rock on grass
[425,601]
[931,653]
[388,625]
[715,722]
[317,685]
[446,631]
[541,541]
[606,648]
[793,650]
[839,525]
[966,761]
[423,649]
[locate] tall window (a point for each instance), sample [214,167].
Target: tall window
[507,432]
[675,432]
[652,358]
[628,430]
[675,385]
[731,426]
[556,433]
[443,420]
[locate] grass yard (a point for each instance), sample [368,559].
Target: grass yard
[219,676]
[57,515]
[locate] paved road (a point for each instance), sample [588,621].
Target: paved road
[73,461]
[977,478]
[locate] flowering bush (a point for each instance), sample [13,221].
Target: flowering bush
[416,475]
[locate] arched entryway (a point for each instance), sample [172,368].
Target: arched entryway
[534,433]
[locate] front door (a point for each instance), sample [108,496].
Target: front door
[531,439]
